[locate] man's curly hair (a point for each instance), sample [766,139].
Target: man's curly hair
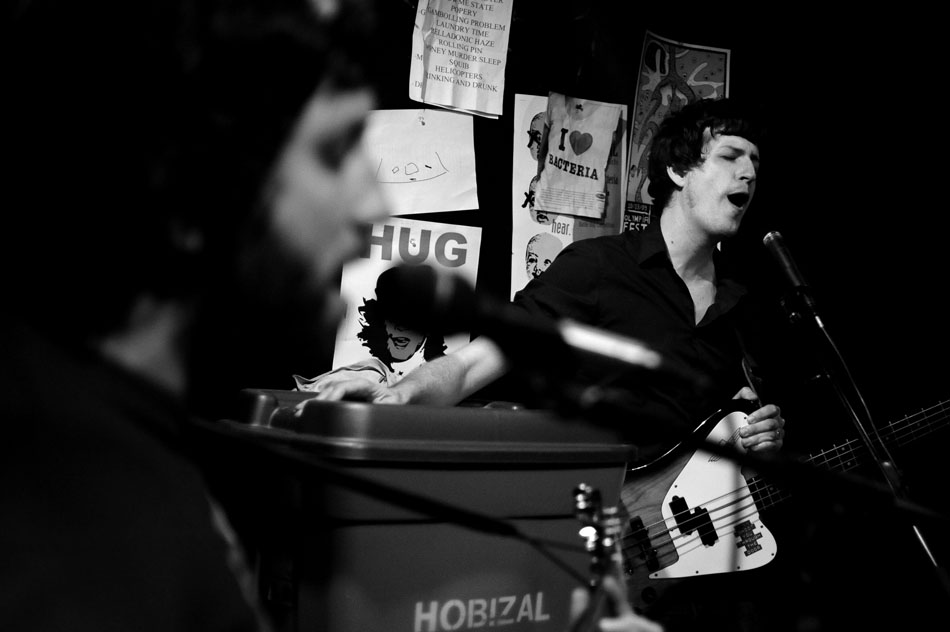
[679,141]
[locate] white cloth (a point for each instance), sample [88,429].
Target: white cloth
[371,369]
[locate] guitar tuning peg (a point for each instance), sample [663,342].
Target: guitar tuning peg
[587,505]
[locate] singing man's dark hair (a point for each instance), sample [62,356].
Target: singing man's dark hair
[679,141]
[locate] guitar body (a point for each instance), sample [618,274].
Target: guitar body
[689,514]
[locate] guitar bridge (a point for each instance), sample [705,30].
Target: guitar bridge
[747,538]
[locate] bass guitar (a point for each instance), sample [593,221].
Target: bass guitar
[689,514]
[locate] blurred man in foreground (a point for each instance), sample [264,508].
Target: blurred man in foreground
[187,181]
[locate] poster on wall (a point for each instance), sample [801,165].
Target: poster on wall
[424,159]
[580,136]
[615,188]
[459,54]
[369,343]
[672,74]
[538,234]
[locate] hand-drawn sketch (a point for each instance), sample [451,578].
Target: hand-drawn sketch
[398,170]
[424,160]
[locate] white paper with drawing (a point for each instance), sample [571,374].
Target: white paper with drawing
[366,335]
[459,54]
[424,159]
[580,139]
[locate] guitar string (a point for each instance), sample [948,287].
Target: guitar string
[901,432]
[720,528]
[848,455]
[766,492]
[771,491]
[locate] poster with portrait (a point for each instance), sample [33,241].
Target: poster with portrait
[537,234]
[366,335]
[672,74]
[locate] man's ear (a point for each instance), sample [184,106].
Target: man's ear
[677,178]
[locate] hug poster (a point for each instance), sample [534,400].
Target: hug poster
[367,333]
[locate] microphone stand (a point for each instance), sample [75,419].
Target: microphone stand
[613,409]
[801,310]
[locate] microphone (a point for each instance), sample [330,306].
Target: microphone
[776,246]
[431,300]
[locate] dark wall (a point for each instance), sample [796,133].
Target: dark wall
[853,177]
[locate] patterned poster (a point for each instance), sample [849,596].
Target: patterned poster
[366,337]
[672,74]
[538,235]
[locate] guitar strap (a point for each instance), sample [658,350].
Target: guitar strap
[750,368]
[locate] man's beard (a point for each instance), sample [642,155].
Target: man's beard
[258,326]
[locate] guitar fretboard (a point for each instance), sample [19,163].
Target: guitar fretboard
[853,453]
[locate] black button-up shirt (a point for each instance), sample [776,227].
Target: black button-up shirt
[626,284]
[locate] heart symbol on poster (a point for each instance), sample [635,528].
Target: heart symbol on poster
[581,142]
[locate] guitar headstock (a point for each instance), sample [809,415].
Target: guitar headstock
[601,532]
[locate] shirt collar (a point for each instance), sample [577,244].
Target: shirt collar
[729,288]
[652,243]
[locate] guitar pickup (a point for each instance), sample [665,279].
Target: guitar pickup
[641,540]
[697,520]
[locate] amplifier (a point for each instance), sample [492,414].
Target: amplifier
[427,519]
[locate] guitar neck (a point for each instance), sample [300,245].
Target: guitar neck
[853,453]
